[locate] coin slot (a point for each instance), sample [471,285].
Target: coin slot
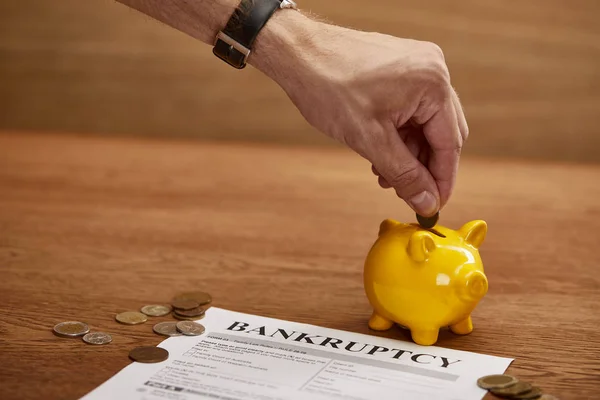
[440,234]
[435,232]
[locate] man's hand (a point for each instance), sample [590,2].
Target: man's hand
[388,99]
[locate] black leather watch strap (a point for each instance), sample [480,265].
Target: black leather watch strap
[234,43]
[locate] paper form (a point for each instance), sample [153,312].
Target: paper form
[242,356]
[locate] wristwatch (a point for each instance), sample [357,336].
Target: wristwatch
[234,43]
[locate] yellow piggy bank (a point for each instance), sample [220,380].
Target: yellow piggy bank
[425,279]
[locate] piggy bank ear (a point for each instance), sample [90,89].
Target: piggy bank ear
[420,245]
[474,232]
[386,225]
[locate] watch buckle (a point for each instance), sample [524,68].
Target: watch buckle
[233,44]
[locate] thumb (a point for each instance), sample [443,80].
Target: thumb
[412,180]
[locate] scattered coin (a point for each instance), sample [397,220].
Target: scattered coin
[194,312]
[496,381]
[190,328]
[149,354]
[70,329]
[517,389]
[156,310]
[97,338]
[202,298]
[534,393]
[182,318]
[166,329]
[185,304]
[131,318]
[428,222]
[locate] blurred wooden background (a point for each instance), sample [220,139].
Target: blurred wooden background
[528,73]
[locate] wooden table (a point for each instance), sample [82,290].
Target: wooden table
[93,226]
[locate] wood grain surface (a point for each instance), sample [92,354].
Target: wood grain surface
[528,73]
[94,226]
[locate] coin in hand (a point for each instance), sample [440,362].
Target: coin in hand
[149,354]
[131,318]
[71,329]
[97,338]
[428,222]
[166,329]
[190,328]
[156,310]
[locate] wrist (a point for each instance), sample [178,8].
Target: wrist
[281,47]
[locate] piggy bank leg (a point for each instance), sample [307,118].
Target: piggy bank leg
[425,337]
[379,323]
[463,327]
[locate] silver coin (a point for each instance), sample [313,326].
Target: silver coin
[97,338]
[156,310]
[190,328]
[166,329]
[71,329]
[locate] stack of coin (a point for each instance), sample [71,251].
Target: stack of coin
[509,387]
[190,306]
[202,298]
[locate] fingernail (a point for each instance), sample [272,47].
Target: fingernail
[424,203]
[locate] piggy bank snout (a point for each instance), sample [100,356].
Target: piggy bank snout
[474,286]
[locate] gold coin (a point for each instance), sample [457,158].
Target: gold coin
[534,393]
[496,381]
[194,312]
[149,354]
[190,328]
[201,297]
[71,329]
[166,329]
[131,318]
[156,310]
[185,304]
[98,338]
[181,317]
[428,222]
[513,390]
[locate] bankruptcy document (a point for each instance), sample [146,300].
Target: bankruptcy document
[242,356]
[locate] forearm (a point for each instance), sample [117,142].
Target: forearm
[201,19]
[278,48]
